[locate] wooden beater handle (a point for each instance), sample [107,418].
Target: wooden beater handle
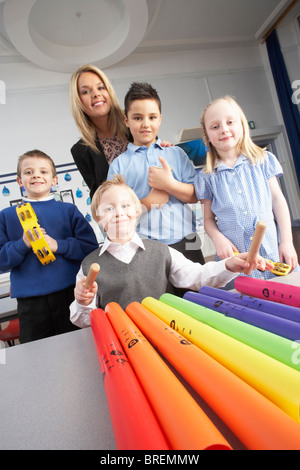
[94,269]
[255,244]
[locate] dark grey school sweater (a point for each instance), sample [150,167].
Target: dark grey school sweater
[146,275]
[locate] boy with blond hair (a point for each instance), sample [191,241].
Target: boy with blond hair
[133,268]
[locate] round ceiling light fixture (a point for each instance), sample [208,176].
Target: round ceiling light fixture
[61,35]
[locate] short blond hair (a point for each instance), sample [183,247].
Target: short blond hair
[246,146]
[38,154]
[83,122]
[117,180]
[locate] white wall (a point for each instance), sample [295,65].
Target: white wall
[36,113]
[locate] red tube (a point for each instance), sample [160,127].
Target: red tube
[134,423]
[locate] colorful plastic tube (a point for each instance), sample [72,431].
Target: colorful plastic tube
[273,308]
[276,381]
[238,322]
[274,291]
[279,326]
[134,423]
[184,423]
[256,421]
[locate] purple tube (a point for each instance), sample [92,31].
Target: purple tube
[267,306]
[279,326]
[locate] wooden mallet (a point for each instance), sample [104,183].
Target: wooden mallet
[255,244]
[94,269]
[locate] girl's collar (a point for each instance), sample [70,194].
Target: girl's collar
[220,165]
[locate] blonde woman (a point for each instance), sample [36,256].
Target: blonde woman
[239,186]
[100,120]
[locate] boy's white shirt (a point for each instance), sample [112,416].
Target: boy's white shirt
[183,273]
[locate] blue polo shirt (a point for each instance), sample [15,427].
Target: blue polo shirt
[174,220]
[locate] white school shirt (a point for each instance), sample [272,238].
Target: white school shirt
[183,274]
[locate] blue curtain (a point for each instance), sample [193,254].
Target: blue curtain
[290,111]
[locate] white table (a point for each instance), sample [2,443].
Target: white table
[52,396]
[8,306]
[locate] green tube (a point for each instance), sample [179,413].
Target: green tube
[277,347]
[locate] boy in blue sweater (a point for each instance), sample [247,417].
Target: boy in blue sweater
[44,292]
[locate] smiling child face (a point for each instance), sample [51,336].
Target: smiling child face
[117,214]
[143,119]
[36,177]
[223,127]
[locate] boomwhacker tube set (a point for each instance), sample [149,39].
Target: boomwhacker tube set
[238,351]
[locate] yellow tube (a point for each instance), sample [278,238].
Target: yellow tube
[276,381]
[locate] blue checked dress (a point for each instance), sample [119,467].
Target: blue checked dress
[240,198]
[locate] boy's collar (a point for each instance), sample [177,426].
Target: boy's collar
[136,147]
[135,239]
[47,198]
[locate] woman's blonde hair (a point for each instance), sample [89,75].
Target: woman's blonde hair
[82,120]
[118,180]
[246,146]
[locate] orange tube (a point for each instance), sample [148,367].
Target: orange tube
[134,423]
[183,421]
[256,421]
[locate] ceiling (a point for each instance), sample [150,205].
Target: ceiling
[60,35]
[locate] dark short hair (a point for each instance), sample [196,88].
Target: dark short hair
[140,91]
[37,154]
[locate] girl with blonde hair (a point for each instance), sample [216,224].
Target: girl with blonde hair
[238,187]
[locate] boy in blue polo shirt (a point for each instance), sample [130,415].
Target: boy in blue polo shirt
[162,177]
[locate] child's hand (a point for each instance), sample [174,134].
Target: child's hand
[158,197]
[26,241]
[224,247]
[83,295]
[238,263]
[155,199]
[52,243]
[288,254]
[166,143]
[161,177]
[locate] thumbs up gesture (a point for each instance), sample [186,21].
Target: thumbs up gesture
[161,177]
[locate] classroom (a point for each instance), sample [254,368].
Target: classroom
[55,393]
